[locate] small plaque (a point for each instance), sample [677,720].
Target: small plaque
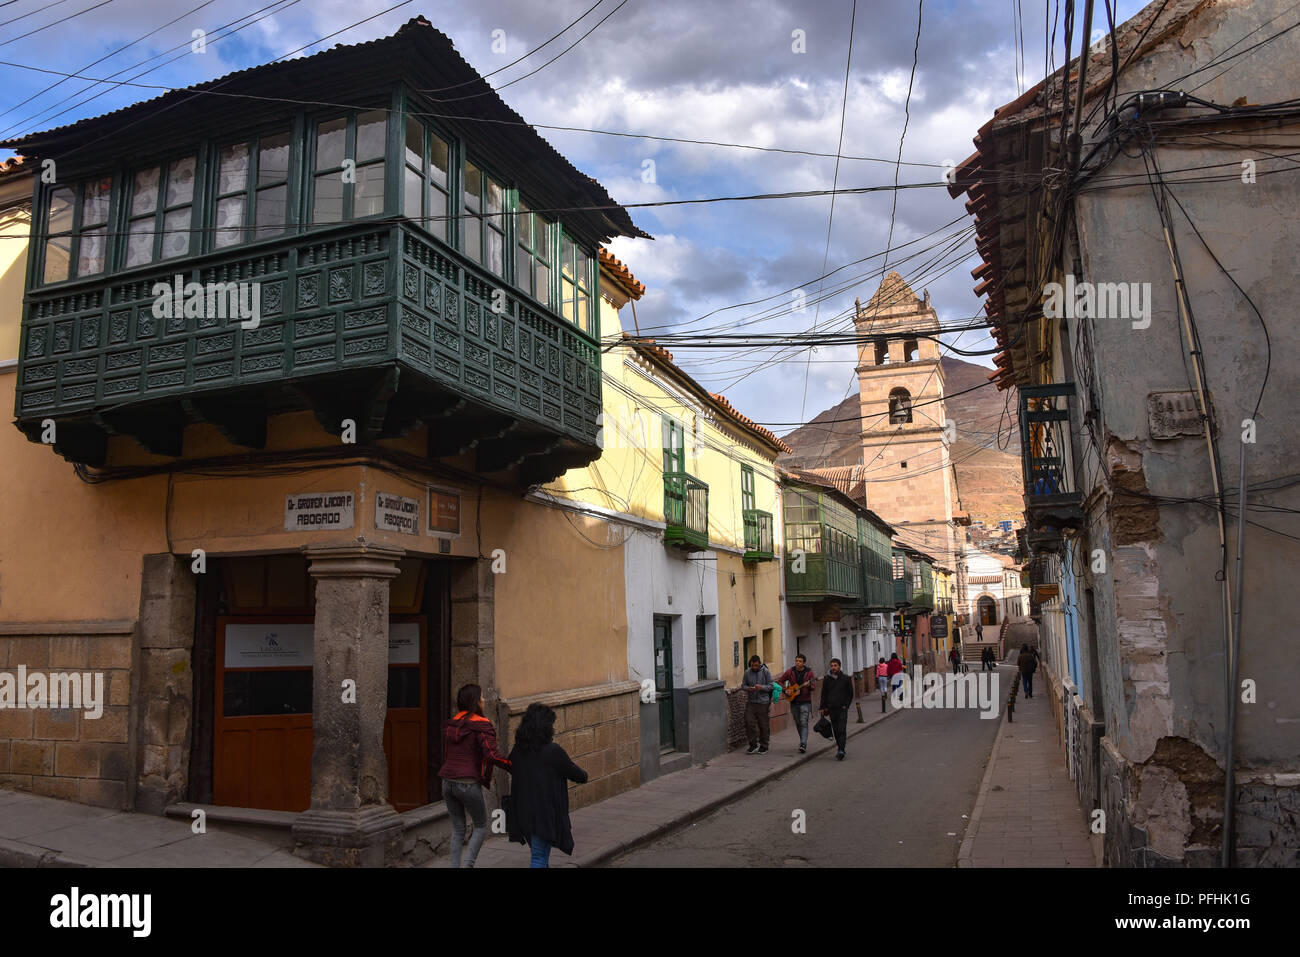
[396,514]
[1172,415]
[444,512]
[318,511]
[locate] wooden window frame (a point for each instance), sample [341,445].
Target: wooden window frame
[252,188]
[423,219]
[313,172]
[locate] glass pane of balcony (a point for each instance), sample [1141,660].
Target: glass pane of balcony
[371,128]
[369,190]
[273,159]
[58,257]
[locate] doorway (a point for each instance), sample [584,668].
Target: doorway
[664,681]
[255,639]
[988,610]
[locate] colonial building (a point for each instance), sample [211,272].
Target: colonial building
[1141,304]
[839,595]
[688,484]
[285,376]
[904,439]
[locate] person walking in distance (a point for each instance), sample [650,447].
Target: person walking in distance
[1028,664]
[837,695]
[979,631]
[882,682]
[799,677]
[537,808]
[893,669]
[757,683]
[954,656]
[469,746]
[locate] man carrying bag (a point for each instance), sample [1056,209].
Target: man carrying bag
[837,695]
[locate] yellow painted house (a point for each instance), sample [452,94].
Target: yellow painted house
[223,517]
[690,484]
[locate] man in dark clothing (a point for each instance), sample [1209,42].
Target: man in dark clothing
[757,683]
[801,677]
[1028,664]
[837,695]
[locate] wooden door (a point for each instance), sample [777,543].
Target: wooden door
[263,726]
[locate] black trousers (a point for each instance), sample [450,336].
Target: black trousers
[839,725]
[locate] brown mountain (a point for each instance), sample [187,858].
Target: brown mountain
[986,453]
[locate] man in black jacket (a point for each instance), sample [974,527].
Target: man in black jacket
[837,695]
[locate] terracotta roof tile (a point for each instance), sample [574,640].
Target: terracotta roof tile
[633,286]
[719,402]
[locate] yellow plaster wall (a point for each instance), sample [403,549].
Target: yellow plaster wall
[560,605]
[749,607]
[70,551]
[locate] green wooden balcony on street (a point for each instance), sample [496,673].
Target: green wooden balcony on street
[686,512]
[758,535]
[370,321]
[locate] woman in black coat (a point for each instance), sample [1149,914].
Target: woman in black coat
[537,809]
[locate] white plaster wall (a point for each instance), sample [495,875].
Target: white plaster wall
[654,573]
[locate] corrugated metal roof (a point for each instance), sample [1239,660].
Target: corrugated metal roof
[416,41]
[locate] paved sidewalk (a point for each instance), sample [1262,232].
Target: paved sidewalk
[1027,813]
[38,831]
[603,831]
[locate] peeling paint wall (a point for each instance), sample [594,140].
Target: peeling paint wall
[1159,609]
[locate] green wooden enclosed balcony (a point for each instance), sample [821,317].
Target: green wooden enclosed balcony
[758,535]
[365,321]
[380,262]
[904,575]
[821,547]
[686,512]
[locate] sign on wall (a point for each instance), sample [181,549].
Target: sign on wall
[290,645]
[404,643]
[396,514]
[444,511]
[938,626]
[269,646]
[318,511]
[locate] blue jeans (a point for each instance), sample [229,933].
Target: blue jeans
[541,852]
[463,798]
[1028,680]
[802,713]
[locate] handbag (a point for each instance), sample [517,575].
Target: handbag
[823,727]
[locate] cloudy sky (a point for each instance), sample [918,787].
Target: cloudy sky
[766,73]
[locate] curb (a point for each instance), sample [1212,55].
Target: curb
[968,842]
[610,851]
[18,854]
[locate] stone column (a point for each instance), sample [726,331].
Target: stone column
[350,822]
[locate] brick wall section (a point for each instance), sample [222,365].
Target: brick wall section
[601,733]
[66,754]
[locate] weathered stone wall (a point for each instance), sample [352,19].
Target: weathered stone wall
[66,754]
[164,699]
[601,731]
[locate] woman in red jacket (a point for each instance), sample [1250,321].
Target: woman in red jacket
[893,668]
[469,749]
